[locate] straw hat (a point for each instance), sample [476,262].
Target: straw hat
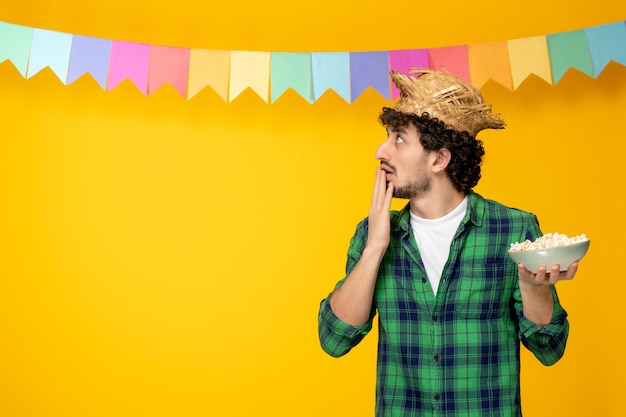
[453,101]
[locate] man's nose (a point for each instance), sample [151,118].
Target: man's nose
[381,152]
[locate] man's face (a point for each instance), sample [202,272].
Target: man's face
[405,161]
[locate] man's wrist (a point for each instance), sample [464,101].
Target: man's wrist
[375,250]
[537,290]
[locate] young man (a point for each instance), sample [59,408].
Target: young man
[452,306]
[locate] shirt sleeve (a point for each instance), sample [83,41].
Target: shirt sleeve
[337,337]
[547,343]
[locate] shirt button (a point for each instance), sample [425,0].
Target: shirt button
[437,396]
[423,280]
[434,317]
[436,358]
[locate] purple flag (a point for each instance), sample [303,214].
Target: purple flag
[369,69]
[89,55]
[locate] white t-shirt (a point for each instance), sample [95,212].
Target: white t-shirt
[433,237]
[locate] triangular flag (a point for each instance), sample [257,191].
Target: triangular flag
[569,50]
[209,68]
[606,43]
[490,61]
[89,55]
[331,70]
[452,59]
[369,69]
[249,69]
[169,65]
[129,60]
[404,60]
[529,55]
[50,49]
[291,70]
[15,43]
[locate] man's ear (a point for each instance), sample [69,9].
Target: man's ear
[442,159]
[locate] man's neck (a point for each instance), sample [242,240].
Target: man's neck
[433,205]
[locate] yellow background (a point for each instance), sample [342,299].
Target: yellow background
[165,257]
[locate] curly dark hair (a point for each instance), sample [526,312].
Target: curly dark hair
[466,151]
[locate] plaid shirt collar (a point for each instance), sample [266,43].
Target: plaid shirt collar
[475,213]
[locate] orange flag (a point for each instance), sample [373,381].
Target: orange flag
[490,61]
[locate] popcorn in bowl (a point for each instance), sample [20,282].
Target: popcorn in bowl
[549,240]
[549,249]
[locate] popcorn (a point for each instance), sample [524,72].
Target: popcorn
[549,240]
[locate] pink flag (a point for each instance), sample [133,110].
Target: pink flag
[452,59]
[129,60]
[404,60]
[169,65]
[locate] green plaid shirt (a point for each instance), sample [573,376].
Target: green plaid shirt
[456,354]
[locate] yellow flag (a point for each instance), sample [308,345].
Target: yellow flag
[208,68]
[529,55]
[249,69]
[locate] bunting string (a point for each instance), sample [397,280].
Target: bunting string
[309,74]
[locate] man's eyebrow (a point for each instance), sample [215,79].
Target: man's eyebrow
[396,129]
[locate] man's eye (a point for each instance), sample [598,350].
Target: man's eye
[399,140]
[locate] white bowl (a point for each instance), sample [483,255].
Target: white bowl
[560,255]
